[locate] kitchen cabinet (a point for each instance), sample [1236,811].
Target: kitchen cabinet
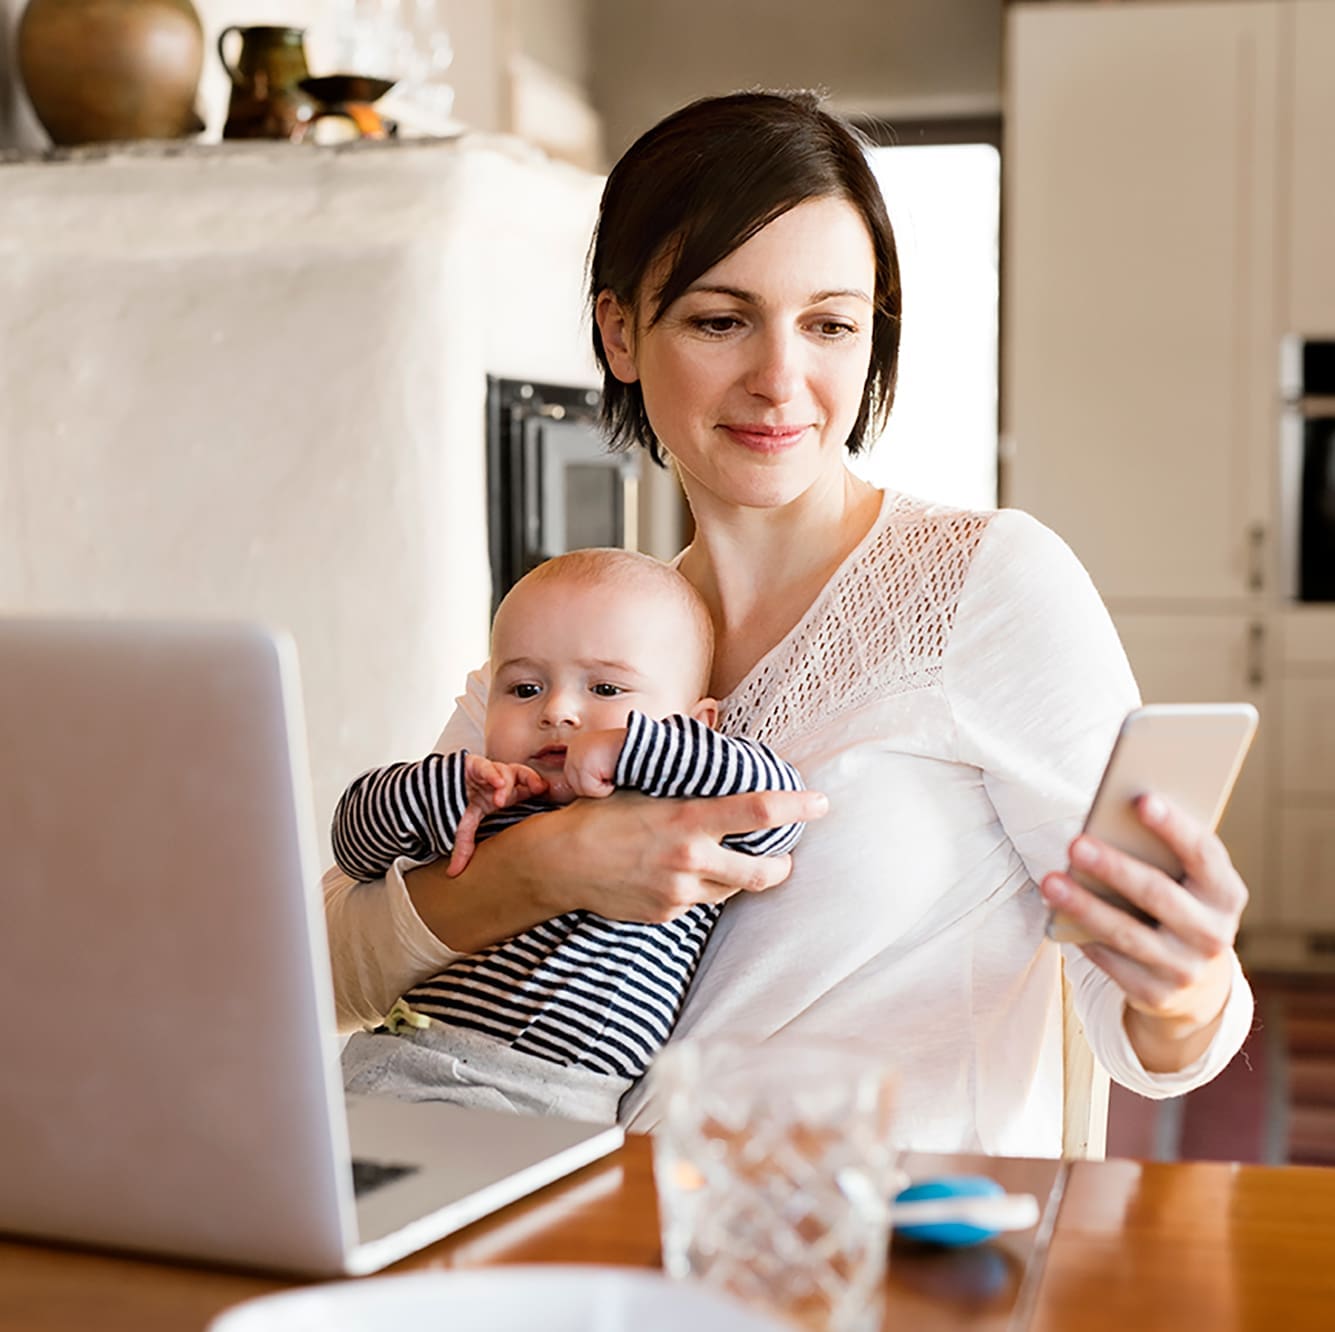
[1138,348]
[1168,214]
[1305,773]
[1307,86]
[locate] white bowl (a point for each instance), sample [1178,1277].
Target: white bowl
[552,1298]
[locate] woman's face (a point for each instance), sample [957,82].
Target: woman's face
[754,376]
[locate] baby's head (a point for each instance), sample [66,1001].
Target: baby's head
[585,638]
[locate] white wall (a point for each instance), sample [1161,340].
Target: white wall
[18,125]
[251,383]
[917,58]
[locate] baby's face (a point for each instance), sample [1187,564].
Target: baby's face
[570,656]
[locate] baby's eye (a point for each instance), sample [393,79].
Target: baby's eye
[604,690]
[525,689]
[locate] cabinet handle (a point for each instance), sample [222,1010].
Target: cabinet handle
[1256,557]
[1256,654]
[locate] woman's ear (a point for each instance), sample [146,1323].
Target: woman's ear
[706,710]
[616,327]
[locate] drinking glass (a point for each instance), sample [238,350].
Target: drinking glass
[774,1167]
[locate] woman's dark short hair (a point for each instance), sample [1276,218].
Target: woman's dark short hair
[700,184]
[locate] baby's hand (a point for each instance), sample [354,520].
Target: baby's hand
[591,761]
[490,786]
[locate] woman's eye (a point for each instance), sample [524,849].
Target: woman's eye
[525,690]
[607,690]
[835,328]
[716,325]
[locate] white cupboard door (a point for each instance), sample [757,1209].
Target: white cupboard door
[1306,866]
[1308,87]
[1214,659]
[1307,740]
[1139,348]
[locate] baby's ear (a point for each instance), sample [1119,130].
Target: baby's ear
[706,710]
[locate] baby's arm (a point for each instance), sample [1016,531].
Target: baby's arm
[422,810]
[680,756]
[405,809]
[490,786]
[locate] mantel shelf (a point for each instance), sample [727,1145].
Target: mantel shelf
[156,150]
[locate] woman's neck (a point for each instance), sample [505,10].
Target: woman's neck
[759,570]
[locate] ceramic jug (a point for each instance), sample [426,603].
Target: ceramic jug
[266,101]
[99,70]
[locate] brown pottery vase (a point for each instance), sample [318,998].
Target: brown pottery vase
[101,70]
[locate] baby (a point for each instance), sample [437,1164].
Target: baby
[600,665]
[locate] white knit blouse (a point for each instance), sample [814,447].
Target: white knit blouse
[955,691]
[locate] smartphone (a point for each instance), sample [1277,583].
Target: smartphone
[1188,753]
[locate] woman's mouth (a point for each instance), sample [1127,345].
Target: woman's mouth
[766,438]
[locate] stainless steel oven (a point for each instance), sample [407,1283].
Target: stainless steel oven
[552,486]
[1307,487]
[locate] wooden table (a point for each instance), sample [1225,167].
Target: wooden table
[1121,1245]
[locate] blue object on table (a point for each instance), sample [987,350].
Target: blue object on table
[952,1234]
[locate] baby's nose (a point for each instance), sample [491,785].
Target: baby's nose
[560,710]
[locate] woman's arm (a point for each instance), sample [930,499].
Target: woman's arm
[629,857]
[1039,685]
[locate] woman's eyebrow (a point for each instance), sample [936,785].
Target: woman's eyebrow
[751,298]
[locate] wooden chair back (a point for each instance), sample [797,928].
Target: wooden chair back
[1084,1088]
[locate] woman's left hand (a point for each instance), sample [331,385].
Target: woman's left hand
[1176,978]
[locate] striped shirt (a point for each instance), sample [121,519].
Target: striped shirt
[577,989]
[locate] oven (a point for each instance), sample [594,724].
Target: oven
[1307,380]
[552,485]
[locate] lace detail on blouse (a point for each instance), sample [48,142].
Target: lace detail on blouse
[879,627]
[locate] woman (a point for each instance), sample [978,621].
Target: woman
[949,680]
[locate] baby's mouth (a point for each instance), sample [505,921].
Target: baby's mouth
[551,754]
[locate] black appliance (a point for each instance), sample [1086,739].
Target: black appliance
[1308,381]
[552,485]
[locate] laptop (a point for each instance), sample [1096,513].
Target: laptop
[169,1075]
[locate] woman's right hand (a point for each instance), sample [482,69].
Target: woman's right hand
[650,859]
[629,857]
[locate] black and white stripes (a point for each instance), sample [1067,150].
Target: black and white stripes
[680,756]
[577,989]
[409,809]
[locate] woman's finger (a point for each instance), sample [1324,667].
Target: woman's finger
[1178,907]
[1172,952]
[752,810]
[703,870]
[1204,857]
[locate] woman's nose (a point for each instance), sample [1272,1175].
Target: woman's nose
[775,372]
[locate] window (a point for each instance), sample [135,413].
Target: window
[941,442]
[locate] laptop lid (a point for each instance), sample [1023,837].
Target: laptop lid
[170,1066]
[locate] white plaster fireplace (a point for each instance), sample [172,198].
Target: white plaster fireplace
[249,381]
